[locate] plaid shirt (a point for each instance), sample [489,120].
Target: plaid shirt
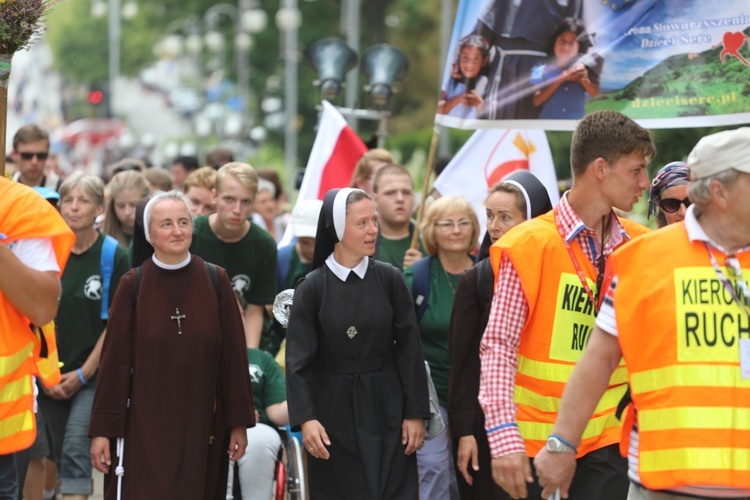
[499,348]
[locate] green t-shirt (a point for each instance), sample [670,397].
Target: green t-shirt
[250,262]
[78,320]
[269,387]
[434,325]
[393,251]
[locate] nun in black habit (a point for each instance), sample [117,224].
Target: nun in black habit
[356,381]
[518,197]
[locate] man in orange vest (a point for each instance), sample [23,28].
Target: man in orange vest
[545,302]
[677,308]
[34,246]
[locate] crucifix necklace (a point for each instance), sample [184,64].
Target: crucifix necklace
[177,315]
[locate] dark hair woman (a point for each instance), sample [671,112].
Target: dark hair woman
[518,197]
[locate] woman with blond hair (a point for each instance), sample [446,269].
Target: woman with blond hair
[450,231]
[124,192]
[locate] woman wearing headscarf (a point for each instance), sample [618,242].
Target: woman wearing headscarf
[669,193]
[356,381]
[518,197]
[173,383]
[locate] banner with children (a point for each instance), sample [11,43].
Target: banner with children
[545,63]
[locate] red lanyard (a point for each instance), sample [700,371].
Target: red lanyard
[593,298]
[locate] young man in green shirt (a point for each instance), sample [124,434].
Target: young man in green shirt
[393,195]
[228,239]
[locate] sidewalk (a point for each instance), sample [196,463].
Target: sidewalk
[98,486]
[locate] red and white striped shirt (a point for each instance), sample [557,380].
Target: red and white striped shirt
[499,348]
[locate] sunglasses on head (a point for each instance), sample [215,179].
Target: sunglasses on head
[672,205]
[30,155]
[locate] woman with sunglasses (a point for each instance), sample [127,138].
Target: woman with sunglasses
[669,192]
[450,231]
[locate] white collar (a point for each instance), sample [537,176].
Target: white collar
[171,267]
[342,272]
[695,231]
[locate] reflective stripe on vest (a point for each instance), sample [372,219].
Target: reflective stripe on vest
[680,338]
[48,367]
[556,332]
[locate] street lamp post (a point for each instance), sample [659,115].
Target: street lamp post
[114,49]
[288,19]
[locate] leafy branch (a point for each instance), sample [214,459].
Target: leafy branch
[21,21]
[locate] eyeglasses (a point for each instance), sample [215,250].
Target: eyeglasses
[29,155]
[448,225]
[671,205]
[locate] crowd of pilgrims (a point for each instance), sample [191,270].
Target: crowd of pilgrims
[175,370]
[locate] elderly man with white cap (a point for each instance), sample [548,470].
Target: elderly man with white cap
[677,310]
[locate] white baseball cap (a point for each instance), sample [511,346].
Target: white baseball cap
[718,152]
[305,218]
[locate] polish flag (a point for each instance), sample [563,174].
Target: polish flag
[335,153]
[490,155]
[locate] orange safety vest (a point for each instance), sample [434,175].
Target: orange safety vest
[679,331]
[557,329]
[23,215]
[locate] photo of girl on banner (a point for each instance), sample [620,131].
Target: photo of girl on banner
[572,74]
[464,95]
[669,63]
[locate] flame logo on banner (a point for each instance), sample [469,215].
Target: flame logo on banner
[495,173]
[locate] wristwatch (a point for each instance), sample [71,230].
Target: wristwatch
[555,445]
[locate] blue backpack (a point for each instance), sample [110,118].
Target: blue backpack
[107,266]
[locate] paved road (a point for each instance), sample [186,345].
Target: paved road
[34,95]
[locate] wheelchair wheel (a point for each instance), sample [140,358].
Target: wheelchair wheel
[279,481]
[295,479]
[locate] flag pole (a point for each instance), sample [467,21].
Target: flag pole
[426,182]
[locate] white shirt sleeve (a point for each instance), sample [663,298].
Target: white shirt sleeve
[36,253]
[606,320]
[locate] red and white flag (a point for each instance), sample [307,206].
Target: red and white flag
[335,153]
[490,155]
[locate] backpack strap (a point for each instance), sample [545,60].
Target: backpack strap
[137,288]
[283,258]
[107,267]
[421,285]
[213,275]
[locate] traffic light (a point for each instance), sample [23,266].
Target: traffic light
[95,97]
[98,97]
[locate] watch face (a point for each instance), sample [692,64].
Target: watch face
[554,445]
